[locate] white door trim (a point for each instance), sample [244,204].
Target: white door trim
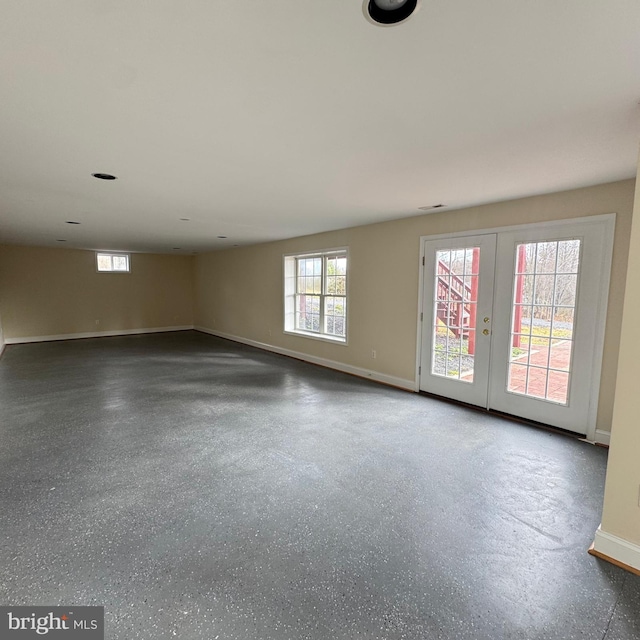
[603,217]
[601,324]
[608,220]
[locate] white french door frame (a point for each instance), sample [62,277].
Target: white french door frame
[608,222]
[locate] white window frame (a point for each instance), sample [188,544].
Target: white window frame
[290,293]
[113,254]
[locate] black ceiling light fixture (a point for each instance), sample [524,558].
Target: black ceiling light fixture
[222,237]
[389,12]
[72,222]
[104,176]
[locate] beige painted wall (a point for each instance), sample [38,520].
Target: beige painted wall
[240,291]
[621,512]
[48,292]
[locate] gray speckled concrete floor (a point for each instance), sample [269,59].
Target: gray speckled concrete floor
[201,489]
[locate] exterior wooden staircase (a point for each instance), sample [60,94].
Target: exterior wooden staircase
[453,295]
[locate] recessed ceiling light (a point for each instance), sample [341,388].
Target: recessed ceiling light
[432,206]
[71,222]
[389,12]
[222,237]
[104,176]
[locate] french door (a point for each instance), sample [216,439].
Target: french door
[458,296]
[513,321]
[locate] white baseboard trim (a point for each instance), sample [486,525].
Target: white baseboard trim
[393,381]
[602,437]
[95,334]
[616,550]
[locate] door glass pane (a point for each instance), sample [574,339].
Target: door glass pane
[542,319]
[454,318]
[546,257]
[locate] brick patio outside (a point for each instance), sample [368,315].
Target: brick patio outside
[536,385]
[538,360]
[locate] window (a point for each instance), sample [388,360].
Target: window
[113,262]
[316,294]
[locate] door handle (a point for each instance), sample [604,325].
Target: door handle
[485,332]
[486,319]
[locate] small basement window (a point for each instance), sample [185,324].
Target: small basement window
[112,262]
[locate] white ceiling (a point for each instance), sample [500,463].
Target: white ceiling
[261,120]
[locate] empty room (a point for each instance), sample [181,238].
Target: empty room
[318,320]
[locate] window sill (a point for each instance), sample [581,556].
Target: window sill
[317,336]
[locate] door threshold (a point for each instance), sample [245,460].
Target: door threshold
[507,416]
